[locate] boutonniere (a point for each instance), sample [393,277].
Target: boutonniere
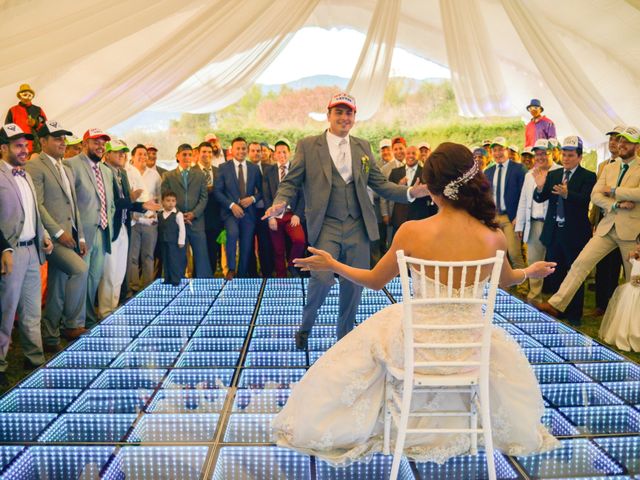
[365,164]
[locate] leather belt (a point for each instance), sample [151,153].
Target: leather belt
[537,219]
[28,243]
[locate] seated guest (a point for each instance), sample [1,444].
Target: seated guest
[190,188]
[238,188]
[171,234]
[212,221]
[290,223]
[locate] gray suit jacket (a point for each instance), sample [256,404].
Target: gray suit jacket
[311,171]
[12,211]
[88,198]
[55,208]
[195,197]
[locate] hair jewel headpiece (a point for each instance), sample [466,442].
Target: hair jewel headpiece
[451,189]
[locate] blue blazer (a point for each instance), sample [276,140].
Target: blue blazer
[512,186]
[227,189]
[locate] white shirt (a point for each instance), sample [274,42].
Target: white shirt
[67,190]
[180,221]
[28,205]
[245,172]
[505,166]
[149,182]
[219,160]
[344,164]
[410,172]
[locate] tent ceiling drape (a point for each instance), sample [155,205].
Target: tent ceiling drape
[98,62]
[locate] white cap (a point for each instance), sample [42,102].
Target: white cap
[499,141]
[384,143]
[424,145]
[527,150]
[541,144]
[514,148]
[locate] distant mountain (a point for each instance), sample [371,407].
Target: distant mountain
[309,82]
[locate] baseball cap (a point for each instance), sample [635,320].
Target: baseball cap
[632,134]
[95,133]
[541,144]
[343,98]
[501,141]
[72,140]
[282,141]
[209,137]
[554,143]
[514,148]
[385,143]
[572,143]
[150,146]
[184,146]
[479,151]
[486,143]
[11,132]
[424,145]
[53,128]
[401,140]
[116,145]
[527,151]
[617,130]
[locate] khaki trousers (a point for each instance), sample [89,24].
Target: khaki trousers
[536,252]
[514,248]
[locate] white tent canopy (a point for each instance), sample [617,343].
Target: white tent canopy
[98,62]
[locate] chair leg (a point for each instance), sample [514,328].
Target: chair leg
[407,391]
[486,428]
[473,420]
[387,416]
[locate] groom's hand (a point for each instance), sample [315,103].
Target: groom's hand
[418,190]
[274,210]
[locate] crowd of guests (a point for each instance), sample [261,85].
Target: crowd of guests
[108,220]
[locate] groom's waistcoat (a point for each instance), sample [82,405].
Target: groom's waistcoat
[343,200]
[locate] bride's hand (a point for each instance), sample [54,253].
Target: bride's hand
[320,261]
[540,269]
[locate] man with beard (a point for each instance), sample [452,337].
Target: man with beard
[218,153]
[94,191]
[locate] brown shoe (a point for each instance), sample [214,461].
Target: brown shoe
[230,275]
[596,312]
[73,333]
[546,307]
[52,348]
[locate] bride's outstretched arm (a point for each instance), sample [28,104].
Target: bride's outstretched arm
[509,276]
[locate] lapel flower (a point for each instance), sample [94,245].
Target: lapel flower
[365,164]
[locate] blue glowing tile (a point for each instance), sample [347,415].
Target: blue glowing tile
[499,320]
[177,320]
[188,401]
[83,359]
[275,359]
[578,395]
[129,379]
[612,371]
[260,401]
[608,419]
[141,300]
[565,340]
[208,359]
[321,343]
[25,400]
[125,320]
[511,329]
[168,344]
[541,355]
[192,301]
[162,463]
[625,450]
[290,330]
[627,391]
[557,424]
[140,309]
[19,427]
[129,331]
[59,462]
[269,377]
[8,453]
[111,401]
[60,378]
[564,373]
[378,466]
[314,356]
[145,360]
[249,428]
[284,319]
[545,328]
[97,344]
[223,319]
[275,310]
[222,331]
[175,428]
[77,427]
[593,353]
[467,466]
[215,344]
[241,463]
[525,341]
[576,457]
[161,331]
[198,378]
[179,310]
[272,345]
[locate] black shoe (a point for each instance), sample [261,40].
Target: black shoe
[29,365]
[55,348]
[302,340]
[293,271]
[4,381]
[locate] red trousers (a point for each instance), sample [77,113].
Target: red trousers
[278,238]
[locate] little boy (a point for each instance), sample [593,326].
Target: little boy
[171,236]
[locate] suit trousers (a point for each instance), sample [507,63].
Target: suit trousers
[594,251]
[20,292]
[278,239]
[198,241]
[115,268]
[174,260]
[607,277]
[514,246]
[213,247]
[239,229]
[95,261]
[265,249]
[141,256]
[347,241]
[536,252]
[66,293]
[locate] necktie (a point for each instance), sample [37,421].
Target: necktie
[103,197]
[18,171]
[185,179]
[560,210]
[623,170]
[121,195]
[241,184]
[499,191]
[343,167]
[283,172]
[207,175]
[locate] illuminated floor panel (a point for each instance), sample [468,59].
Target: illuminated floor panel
[183,383]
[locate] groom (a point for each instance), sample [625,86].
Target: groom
[334,170]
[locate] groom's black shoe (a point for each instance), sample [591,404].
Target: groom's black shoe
[302,340]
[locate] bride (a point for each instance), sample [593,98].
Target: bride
[336,412]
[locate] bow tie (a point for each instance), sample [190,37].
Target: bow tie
[18,171]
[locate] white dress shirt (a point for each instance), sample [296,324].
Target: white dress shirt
[29,206]
[219,160]
[149,182]
[340,151]
[410,173]
[180,221]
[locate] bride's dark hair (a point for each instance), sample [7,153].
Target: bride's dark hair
[449,162]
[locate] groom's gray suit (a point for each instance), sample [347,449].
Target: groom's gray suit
[340,217]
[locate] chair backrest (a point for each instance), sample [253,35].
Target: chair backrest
[463,283]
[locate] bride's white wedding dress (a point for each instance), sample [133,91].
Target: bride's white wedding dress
[336,411]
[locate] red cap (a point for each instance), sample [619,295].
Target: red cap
[95,133]
[149,146]
[401,140]
[343,99]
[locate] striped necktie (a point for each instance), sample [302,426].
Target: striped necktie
[104,221]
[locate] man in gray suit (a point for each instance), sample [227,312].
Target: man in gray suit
[20,290]
[94,191]
[58,206]
[334,170]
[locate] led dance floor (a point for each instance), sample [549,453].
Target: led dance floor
[182,383]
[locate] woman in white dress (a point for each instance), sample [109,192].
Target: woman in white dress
[336,411]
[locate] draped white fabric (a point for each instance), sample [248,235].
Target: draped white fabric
[97,62]
[370,76]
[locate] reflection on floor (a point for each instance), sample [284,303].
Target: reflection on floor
[182,383]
